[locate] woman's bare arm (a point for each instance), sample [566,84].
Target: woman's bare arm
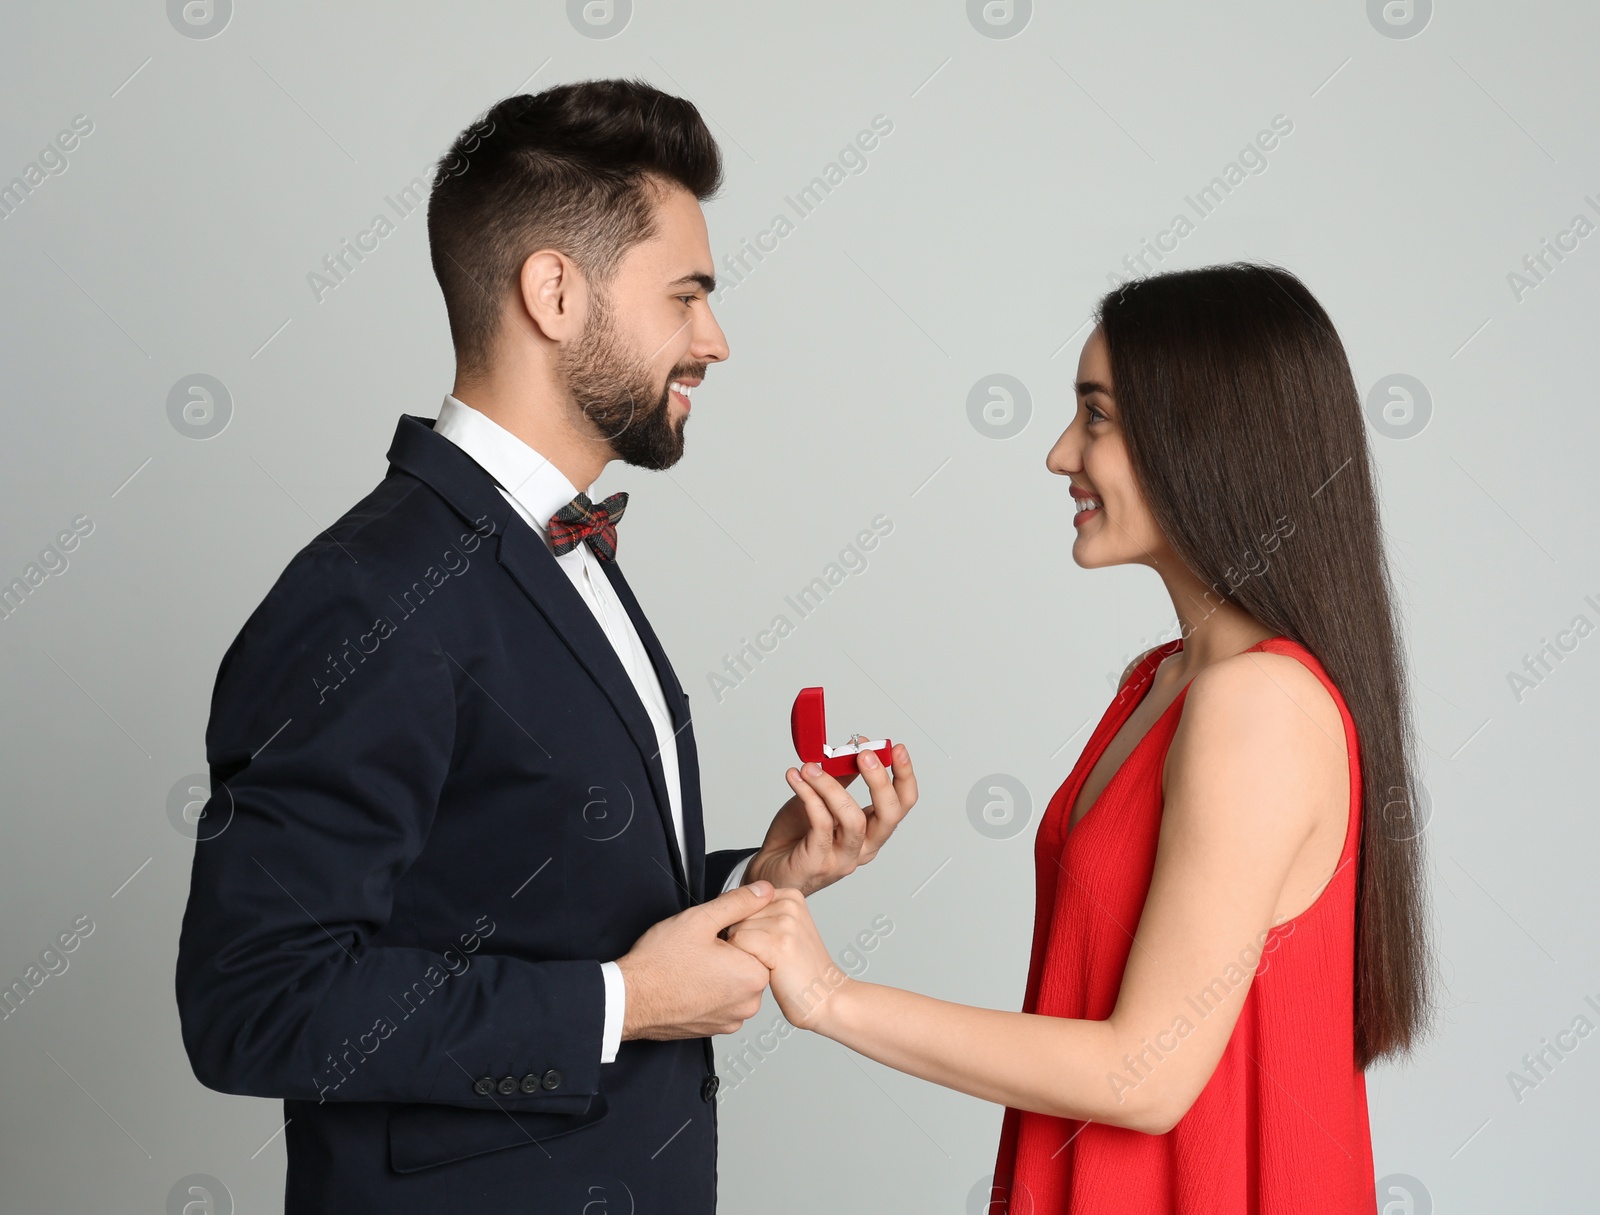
[1245,776]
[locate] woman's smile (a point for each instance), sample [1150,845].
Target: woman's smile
[1088,507]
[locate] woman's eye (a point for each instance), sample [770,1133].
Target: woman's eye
[1094,414]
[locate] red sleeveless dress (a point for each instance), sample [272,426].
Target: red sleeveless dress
[1282,1124]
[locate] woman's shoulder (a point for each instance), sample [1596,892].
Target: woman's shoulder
[1258,688]
[1258,759]
[1268,711]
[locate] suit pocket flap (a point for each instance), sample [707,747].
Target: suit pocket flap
[422,1136]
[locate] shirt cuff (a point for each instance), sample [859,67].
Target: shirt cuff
[616,1001]
[736,878]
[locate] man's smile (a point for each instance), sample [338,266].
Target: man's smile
[681,390]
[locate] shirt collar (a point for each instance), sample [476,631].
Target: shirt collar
[538,485]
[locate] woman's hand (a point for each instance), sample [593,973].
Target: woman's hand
[784,938]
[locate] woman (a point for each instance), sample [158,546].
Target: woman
[1229,925]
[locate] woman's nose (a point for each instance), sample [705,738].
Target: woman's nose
[1057,458]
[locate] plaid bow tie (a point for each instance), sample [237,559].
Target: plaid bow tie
[595,522]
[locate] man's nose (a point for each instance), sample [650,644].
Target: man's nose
[710,343]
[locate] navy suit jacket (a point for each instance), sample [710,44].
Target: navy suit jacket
[437,804]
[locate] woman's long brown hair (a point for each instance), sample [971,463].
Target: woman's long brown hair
[1243,423]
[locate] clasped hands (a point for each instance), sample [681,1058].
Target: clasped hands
[703,971]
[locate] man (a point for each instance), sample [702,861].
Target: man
[449,902]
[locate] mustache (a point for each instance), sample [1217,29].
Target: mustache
[688,371]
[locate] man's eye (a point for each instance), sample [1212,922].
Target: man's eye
[688,299]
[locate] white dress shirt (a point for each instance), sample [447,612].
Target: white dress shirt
[537,489]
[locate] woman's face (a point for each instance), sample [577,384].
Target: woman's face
[1113,524]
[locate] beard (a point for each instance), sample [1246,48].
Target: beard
[618,395]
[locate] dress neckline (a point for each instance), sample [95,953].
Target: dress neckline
[1146,677]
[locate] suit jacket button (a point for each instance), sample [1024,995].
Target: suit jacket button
[708,1088]
[508,1085]
[483,1086]
[530,1082]
[552,1079]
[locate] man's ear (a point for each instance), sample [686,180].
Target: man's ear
[554,294]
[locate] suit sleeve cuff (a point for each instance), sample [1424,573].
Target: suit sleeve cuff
[616,1002]
[736,878]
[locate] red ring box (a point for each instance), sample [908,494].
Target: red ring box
[808,725]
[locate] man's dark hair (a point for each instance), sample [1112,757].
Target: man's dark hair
[569,169]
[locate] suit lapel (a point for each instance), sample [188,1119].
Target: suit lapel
[430,457]
[683,731]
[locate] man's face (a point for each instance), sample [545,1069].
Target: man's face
[649,333]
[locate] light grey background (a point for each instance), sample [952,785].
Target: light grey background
[220,170]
